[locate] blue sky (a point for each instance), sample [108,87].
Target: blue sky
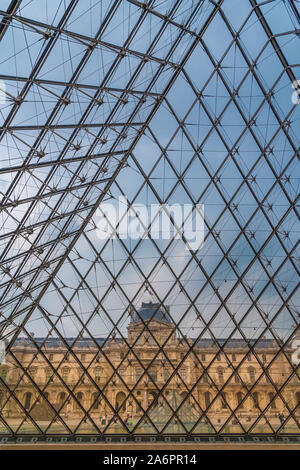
[195,152]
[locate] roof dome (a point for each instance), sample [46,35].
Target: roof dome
[151,311]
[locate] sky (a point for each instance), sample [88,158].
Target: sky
[180,158]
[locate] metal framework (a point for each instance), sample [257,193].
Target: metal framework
[162,101]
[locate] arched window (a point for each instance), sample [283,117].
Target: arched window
[96,400]
[207,399]
[240,397]
[273,403]
[121,401]
[27,400]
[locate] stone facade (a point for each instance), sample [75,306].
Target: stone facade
[115,379]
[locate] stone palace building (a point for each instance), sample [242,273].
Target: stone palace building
[98,381]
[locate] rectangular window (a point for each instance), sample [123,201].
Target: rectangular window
[207,399]
[221,376]
[223,400]
[48,375]
[252,375]
[255,400]
[65,374]
[97,376]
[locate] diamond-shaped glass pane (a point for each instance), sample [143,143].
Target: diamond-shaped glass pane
[149,218]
